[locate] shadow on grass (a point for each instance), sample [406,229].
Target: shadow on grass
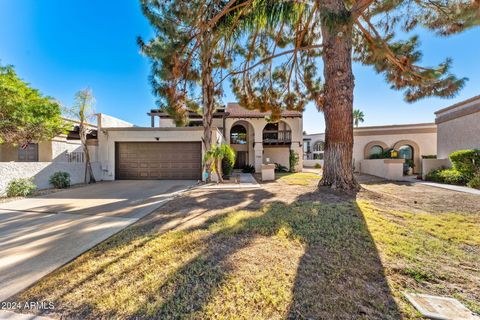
[339,275]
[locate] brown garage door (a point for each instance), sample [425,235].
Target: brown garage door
[158,160]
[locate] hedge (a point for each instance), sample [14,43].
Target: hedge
[466,161]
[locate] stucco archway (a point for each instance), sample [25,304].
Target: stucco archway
[366,149]
[416,153]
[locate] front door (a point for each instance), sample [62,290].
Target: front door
[241,160]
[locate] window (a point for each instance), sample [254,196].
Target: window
[306,146]
[319,146]
[375,151]
[405,152]
[28,153]
[238,134]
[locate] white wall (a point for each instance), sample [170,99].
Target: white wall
[458,134]
[41,172]
[390,169]
[106,121]
[277,155]
[312,163]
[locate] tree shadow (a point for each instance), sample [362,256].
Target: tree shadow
[339,275]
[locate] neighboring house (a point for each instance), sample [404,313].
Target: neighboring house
[412,141]
[165,151]
[40,160]
[458,128]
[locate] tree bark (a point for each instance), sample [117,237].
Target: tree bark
[208,88]
[338,93]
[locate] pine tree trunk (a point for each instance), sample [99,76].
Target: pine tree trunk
[208,88]
[338,106]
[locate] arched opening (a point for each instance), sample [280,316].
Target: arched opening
[375,152]
[406,152]
[410,151]
[374,149]
[277,133]
[238,134]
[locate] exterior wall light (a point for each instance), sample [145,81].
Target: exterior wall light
[394,153]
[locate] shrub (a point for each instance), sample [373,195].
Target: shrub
[60,180]
[466,161]
[294,158]
[280,168]
[227,167]
[318,166]
[475,182]
[450,176]
[248,169]
[377,156]
[21,187]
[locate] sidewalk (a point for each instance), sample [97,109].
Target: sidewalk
[238,181]
[451,187]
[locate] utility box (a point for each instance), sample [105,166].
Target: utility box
[268,172]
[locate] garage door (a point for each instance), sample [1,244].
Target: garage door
[158,160]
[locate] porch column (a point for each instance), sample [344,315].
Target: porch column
[258,149]
[298,149]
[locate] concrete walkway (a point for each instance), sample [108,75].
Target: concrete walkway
[451,187]
[38,235]
[240,181]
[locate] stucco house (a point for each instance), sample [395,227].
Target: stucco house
[165,151]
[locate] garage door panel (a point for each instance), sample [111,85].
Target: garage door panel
[158,160]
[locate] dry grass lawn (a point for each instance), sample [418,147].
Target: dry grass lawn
[284,251]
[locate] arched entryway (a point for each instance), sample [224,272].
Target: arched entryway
[410,151]
[241,140]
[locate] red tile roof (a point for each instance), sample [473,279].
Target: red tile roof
[236,111]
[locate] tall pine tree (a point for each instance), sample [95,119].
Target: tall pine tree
[306,35]
[189,54]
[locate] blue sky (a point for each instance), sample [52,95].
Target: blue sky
[61,46]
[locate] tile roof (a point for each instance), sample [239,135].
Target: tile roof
[236,111]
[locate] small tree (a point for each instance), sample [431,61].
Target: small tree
[217,154]
[358,117]
[25,114]
[83,111]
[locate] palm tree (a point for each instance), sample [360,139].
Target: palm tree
[358,117]
[216,154]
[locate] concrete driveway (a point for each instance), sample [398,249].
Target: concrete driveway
[38,235]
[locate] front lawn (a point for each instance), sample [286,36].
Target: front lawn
[286,251]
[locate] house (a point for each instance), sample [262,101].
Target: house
[458,128]
[40,160]
[165,151]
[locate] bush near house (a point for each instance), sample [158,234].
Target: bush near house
[475,182]
[60,180]
[465,171]
[21,187]
[449,176]
[294,158]
[280,168]
[318,166]
[466,161]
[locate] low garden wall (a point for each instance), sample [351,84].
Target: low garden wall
[312,163]
[390,169]
[434,164]
[41,172]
